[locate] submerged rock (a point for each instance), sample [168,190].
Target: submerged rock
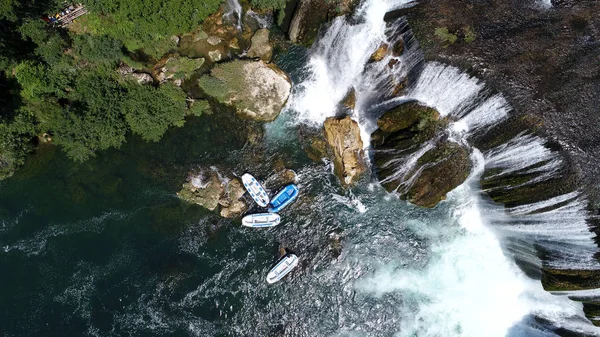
[346,148]
[414,157]
[257,90]
[349,101]
[261,47]
[380,53]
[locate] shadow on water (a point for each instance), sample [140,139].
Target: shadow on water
[86,246]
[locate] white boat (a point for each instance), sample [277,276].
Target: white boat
[261,220]
[257,192]
[282,268]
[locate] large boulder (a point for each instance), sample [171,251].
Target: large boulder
[256,90]
[231,203]
[204,189]
[415,158]
[442,169]
[212,191]
[346,147]
[261,47]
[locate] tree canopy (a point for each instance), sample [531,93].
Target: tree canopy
[64,82]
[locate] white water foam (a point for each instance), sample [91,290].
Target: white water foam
[337,60]
[235,11]
[469,285]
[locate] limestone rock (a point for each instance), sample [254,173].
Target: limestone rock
[255,89]
[414,157]
[231,204]
[142,78]
[379,54]
[204,191]
[350,100]
[215,55]
[343,139]
[124,69]
[444,168]
[211,191]
[213,40]
[261,48]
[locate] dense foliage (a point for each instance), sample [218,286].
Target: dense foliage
[64,82]
[268,4]
[147,24]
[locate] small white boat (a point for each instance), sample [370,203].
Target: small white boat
[261,220]
[257,192]
[282,268]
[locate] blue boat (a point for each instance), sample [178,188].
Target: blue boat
[283,198]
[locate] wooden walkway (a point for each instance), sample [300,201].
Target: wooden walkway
[66,19]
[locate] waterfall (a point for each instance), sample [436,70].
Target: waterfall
[234,13]
[555,226]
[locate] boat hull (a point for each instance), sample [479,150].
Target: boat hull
[282,268]
[283,198]
[255,189]
[261,220]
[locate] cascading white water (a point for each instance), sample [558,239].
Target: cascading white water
[338,58]
[471,286]
[235,12]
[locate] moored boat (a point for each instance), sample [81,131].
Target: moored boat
[282,268]
[261,220]
[283,198]
[257,192]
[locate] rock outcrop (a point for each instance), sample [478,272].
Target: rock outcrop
[177,68]
[203,190]
[310,15]
[261,47]
[414,157]
[211,191]
[257,90]
[346,148]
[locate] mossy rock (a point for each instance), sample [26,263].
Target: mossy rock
[445,168]
[403,131]
[407,115]
[204,193]
[570,279]
[257,90]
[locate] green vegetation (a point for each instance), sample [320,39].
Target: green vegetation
[64,82]
[269,4]
[444,36]
[147,24]
[198,108]
[469,34]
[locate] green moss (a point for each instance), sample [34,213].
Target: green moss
[469,34]
[199,107]
[572,279]
[445,36]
